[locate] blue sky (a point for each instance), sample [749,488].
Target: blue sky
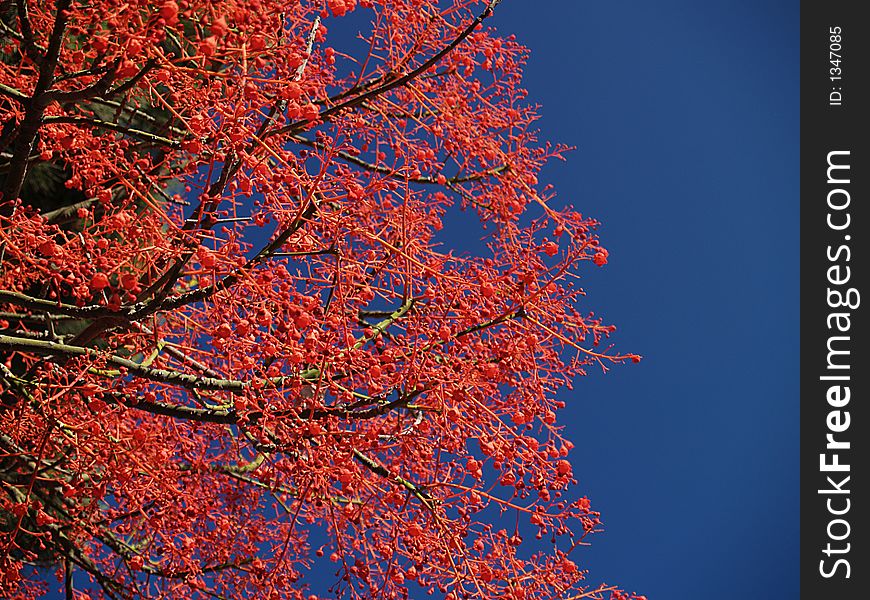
[685,117]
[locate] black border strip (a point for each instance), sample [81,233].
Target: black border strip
[835,225]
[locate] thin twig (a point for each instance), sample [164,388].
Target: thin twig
[393,83]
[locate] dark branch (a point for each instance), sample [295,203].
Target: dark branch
[130,83]
[70,310]
[346,156]
[51,349]
[231,279]
[128,131]
[14,94]
[35,107]
[393,83]
[99,88]
[28,41]
[379,469]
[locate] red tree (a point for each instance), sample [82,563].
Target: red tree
[232,338]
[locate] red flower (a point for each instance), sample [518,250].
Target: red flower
[208,46]
[99,282]
[219,27]
[169,12]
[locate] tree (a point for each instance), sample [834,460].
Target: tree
[238,347]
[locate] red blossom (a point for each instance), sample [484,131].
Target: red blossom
[219,27]
[99,282]
[208,46]
[169,12]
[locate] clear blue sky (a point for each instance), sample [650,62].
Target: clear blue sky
[685,117]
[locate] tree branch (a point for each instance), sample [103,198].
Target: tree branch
[382,326]
[99,88]
[231,279]
[186,380]
[28,41]
[381,470]
[346,156]
[60,308]
[128,131]
[127,85]
[14,94]
[35,107]
[188,413]
[398,81]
